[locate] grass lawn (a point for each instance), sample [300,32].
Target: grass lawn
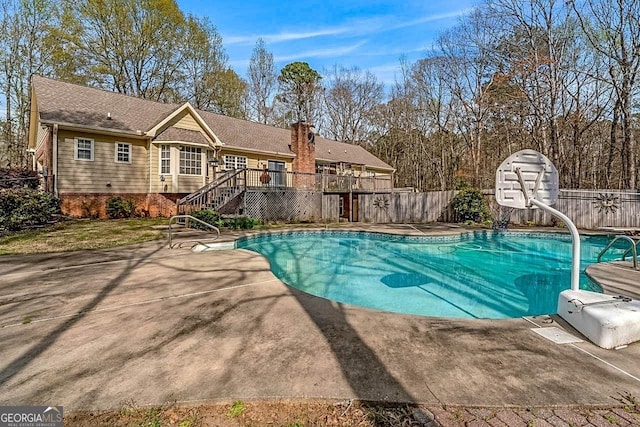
[83,234]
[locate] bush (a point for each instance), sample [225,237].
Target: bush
[469,205]
[212,217]
[26,207]
[241,223]
[118,208]
[207,215]
[19,178]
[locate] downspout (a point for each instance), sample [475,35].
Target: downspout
[150,154]
[54,161]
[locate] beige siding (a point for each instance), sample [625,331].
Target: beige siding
[157,185]
[186,121]
[103,174]
[189,183]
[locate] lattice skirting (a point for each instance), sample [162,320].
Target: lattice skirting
[284,205]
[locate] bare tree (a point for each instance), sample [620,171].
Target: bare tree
[350,95]
[440,156]
[203,61]
[468,50]
[26,48]
[262,83]
[613,30]
[534,37]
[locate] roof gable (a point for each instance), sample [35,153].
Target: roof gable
[177,115]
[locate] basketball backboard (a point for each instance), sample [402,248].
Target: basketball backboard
[531,170]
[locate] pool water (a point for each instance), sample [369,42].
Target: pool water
[474,275]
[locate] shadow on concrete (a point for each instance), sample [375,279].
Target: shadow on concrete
[365,372]
[20,363]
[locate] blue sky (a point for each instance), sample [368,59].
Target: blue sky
[370,34]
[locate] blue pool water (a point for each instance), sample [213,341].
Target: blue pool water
[474,275]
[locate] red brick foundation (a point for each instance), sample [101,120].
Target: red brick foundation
[95,205]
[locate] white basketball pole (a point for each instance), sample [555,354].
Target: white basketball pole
[575,236]
[575,243]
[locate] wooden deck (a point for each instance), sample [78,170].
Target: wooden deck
[616,278]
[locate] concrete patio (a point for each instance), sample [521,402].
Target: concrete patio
[97,329]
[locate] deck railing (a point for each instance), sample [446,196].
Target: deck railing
[264,178]
[228,184]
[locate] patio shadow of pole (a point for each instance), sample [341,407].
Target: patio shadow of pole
[17,365]
[366,374]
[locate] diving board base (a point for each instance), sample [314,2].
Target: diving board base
[606,320]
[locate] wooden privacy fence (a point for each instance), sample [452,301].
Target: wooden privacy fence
[589,209]
[406,207]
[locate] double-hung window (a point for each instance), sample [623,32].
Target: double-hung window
[165,159]
[190,160]
[83,149]
[123,152]
[235,162]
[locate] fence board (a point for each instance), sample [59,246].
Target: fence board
[589,209]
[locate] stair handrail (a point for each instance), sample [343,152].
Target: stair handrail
[215,183]
[212,186]
[191,218]
[633,248]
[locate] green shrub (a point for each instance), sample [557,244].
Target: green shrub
[212,217]
[119,208]
[207,215]
[241,223]
[25,207]
[469,205]
[19,178]
[461,184]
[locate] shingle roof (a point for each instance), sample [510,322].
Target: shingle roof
[334,151]
[243,134]
[81,106]
[60,102]
[177,134]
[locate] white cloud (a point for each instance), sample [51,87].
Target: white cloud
[360,27]
[329,52]
[284,37]
[431,18]
[387,73]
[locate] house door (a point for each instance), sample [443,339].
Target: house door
[277,173]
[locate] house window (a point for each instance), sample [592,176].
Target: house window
[123,152]
[84,149]
[340,207]
[190,161]
[165,159]
[235,162]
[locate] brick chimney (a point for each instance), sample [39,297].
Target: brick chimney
[304,147]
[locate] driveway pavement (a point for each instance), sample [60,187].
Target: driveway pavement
[146,324]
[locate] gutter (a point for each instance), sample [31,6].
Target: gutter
[95,129]
[251,150]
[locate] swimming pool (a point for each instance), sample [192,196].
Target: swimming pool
[473,275]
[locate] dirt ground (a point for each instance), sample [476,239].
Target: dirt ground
[353,413]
